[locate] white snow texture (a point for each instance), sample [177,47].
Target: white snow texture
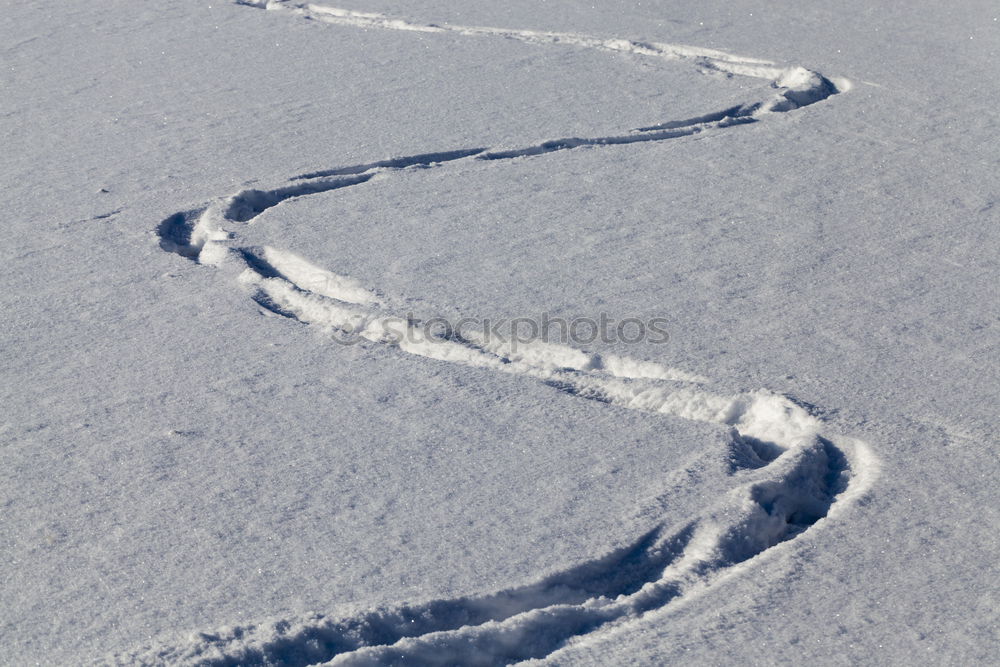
[198,473]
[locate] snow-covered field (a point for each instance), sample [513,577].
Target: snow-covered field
[251,413]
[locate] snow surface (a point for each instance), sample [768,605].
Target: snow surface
[202,196]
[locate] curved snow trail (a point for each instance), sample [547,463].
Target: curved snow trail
[792,474]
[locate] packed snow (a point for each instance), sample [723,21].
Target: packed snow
[280,387]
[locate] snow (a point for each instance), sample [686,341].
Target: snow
[206,201]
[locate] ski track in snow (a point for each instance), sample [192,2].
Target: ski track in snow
[792,474]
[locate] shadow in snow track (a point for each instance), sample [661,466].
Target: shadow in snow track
[535,620]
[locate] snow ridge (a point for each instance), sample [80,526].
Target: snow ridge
[533,621]
[793,475]
[795,87]
[704,59]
